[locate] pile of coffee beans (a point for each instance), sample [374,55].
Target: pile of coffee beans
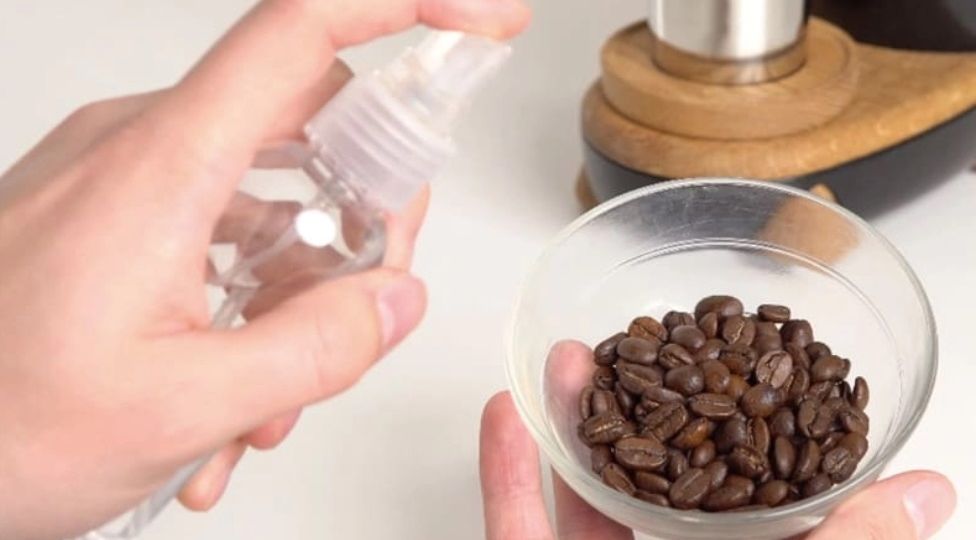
[722,411]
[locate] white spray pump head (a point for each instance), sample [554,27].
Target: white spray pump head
[389,132]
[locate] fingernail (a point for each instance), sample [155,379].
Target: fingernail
[929,503]
[499,19]
[400,306]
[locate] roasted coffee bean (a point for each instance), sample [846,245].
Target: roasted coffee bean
[738,330]
[640,453]
[644,327]
[845,391]
[799,386]
[860,395]
[703,454]
[717,471]
[748,461]
[772,493]
[774,313]
[600,457]
[733,432]
[759,435]
[642,409]
[761,400]
[716,376]
[673,355]
[817,350]
[604,377]
[806,413]
[839,463]
[774,368]
[740,359]
[674,319]
[709,325]
[712,406]
[585,403]
[660,394]
[854,420]
[784,457]
[677,464]
[725,306]
[820,426]
[604,401]
[625,399]
[653,498]
[782,423]
[651,482]
[765,344]
[830,368]
[581,434]
[856,444]
[693,434]
[797,331]
[709,351]
[639,350]
[605,354]
[637,378]
[690,489]
[807,461]
[736,492]
[794,492]
[816,485]
[836,404]
[737,387]
[667,420]
[616,477]
[606,428]
[820,391]
[689,337]
[800,357]
[830,441]
[688,380]
[766,328]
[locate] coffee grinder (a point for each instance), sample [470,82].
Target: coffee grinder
[866,102]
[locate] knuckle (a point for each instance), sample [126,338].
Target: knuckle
[89,114]
[335,363]
[293,7]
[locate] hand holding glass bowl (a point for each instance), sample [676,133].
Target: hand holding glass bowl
[663,248]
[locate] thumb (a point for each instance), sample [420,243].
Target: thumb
[908,506]
[308,348]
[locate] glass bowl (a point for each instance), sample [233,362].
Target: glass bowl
[665,247]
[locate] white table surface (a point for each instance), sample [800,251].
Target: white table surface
[397,456]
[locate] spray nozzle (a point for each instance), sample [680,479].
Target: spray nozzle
[441,74]
[387,133]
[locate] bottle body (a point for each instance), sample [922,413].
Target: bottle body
[293,223]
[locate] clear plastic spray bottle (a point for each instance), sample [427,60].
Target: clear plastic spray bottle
[320,211]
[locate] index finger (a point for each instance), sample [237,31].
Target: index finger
[227,103]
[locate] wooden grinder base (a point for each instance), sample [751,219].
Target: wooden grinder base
[848,102]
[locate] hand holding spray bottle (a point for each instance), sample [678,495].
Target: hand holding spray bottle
[369,151]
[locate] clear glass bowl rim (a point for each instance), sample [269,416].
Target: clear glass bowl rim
[817,505]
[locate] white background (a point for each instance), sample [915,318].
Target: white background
[396,457]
